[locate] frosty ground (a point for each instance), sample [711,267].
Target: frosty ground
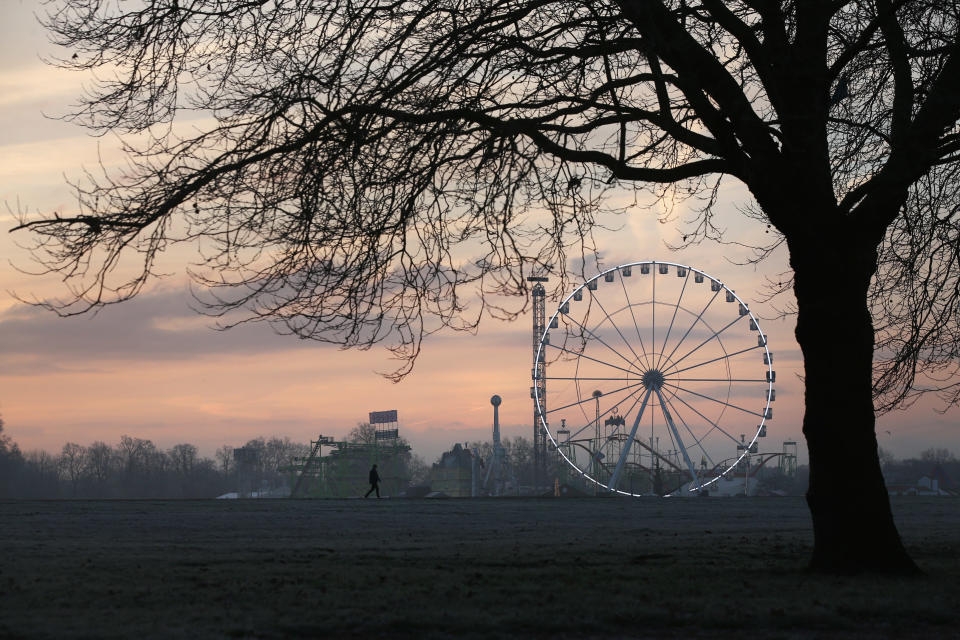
[569,568]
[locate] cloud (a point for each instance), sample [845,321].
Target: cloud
[157,325]
[38,84]
[23,37]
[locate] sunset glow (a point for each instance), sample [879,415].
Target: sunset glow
[153,368]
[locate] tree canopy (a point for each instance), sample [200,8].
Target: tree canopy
[354,170]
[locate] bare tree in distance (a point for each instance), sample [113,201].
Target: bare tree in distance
[937,455]
[366,433]
[101,461]
[7,445]
[183,458]
[73,464]
[224,457]
[360,156]
[11,461]
[363,433]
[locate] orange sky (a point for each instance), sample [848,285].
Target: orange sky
[151,368]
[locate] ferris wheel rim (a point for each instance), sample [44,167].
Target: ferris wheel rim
[723,287]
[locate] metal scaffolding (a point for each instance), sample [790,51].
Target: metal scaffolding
[539,380]
[343,471]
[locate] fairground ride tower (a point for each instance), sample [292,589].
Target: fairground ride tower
[539,390]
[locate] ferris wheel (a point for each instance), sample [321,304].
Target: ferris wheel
[659,379]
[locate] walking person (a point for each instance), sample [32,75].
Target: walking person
[374,482]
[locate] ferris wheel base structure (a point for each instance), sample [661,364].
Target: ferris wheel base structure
[661,382]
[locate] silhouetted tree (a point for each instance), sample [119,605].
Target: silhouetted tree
[224,456]
[41,478]
[411,467]
[271,456]
[418,471]
[183,462]
[7,445]
[887,459]
[278,452]
[518,457]
[367,161]
[11,464]
[253,469]
[132,454]
[73,465]
[363,433]
[100,462]
[937,455]
[936,462]
[183,458]
[139,471]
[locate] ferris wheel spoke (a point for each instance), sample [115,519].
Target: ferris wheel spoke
[705,397]
[726,355]
[674,412]
[714,424]
[653,310]
[697,441]
[676,435]
[694,324]
[673,443]
[612,485]
[590,399]
[597,360]
[673,319]
[614,325]
[601,340]
[716,334]
[620,379]
[636,325]
[722,380]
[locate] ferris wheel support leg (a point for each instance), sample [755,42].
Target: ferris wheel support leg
[612,485]
[676,434]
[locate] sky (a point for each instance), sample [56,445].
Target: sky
[152,368]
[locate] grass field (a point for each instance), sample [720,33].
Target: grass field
[576,568]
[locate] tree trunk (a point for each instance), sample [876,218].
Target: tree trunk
[853,526]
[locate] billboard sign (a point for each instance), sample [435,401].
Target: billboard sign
[383,417]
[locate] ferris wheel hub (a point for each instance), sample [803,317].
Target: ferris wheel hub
[653,379]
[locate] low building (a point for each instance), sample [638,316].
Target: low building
[453,474]
[935,484]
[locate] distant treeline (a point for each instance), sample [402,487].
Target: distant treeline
[934,463]
[137,468]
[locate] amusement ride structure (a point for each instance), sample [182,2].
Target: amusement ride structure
[661,380]
[346,466]
[661,383]
[538,392]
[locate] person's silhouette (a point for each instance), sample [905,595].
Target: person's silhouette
[374,482]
